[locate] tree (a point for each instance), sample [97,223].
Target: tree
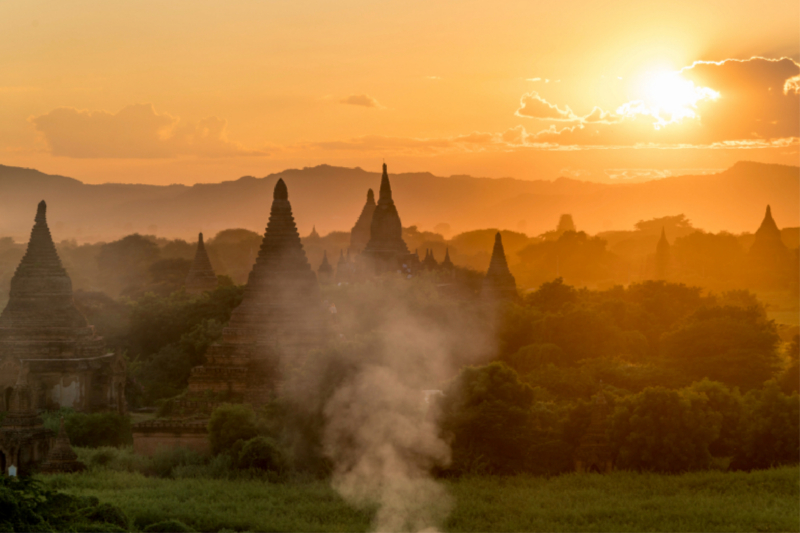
[229,424]
[732,345]
[124,264]
[486,413]
[664,430]
[552,296]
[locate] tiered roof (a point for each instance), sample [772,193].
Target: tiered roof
[386,245]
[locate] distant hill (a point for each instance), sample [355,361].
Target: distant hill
[331,198]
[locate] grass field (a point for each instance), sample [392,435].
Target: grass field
[622,501]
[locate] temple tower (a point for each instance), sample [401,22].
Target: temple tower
[67,363]
[769,260]
[325,270]
[279,320]
[359,235]
[386,247]
[499,283]
[430,262]
[201,277]
[768,244]
[447,264]
[663,256]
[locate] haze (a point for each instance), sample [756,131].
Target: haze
[189,92]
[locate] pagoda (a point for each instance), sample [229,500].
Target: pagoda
[499,283]
[279,320]
[662,259]
[325,270]
[360,234]
[447,264]
[386,248]
[769,263]
[768,244]
[594,453]
[66,363]
[201,277]
[430,262]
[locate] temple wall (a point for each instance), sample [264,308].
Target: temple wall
[67,392]
[147,443]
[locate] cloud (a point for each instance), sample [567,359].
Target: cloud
[747,104]
[137,131]
[534,106]
[363,100]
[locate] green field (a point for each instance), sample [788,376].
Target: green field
[622,501]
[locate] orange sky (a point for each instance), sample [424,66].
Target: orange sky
[196,91]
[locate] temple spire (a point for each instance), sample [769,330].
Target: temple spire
[499,282]
[201,275]
[386,188]
[386,248]
[359,235]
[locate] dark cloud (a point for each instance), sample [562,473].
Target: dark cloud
[137,132]
[363,100]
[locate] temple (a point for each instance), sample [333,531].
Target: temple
[24,442]
[594,451]
[499,283]
[663,258]
[201,277]
[280,318]
[386,248]
[360,234]
[769,263]
[65,362]
[429,263]
[447,264]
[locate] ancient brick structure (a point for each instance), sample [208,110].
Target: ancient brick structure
[201,277]
[325,270]
[499,283]
[769,262]
[447,264]
[594,453]
[41,329]
[151,435]
[61,458]
[359,235]
[280,318]
[24,442]
[663,257]
[430,263]
[386,248]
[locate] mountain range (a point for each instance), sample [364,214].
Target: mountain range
[331,198]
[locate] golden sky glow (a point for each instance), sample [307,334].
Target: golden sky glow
[191,91]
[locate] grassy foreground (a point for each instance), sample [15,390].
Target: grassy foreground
[622,501]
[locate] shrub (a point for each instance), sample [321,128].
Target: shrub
[261,453]
[165,461]
[230,423]
[168,526]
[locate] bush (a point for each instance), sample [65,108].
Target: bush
[261,453]
[91,430]
[230,423]
[165,461]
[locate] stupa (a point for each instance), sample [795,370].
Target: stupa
[386,248]
[24,442]
[325,270]
[279,320]
[201,277]
[61,458]
[594,451]
[769,263]
[66,363]
[499,283]
[447,264]
[360,234]
[430,262]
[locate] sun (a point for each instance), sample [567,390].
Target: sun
[668,97]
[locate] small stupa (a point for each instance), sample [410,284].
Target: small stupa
[201,277]
[359,235]
[447,264]
[430,262]
[499,283]
[386,248]
[325,270]
[768,243]
[62,458]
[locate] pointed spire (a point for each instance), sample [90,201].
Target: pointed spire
[359,235]
[325,268]
[314,235]
[499,282]
[386,188]
[280,192]
[447,263]
[768,244]
[201,276]
[370,196]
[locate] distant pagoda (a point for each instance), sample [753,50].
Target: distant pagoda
[386,248]
[360,234]
[769,262]
[663,256]
[447,264]
[279,320]
[201,277]
[67,363]
[430,262]
[325,270]
[499,283]
[768,244]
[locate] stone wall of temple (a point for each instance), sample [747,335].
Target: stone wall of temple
[150,436]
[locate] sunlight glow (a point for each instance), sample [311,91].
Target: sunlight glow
[668,98]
